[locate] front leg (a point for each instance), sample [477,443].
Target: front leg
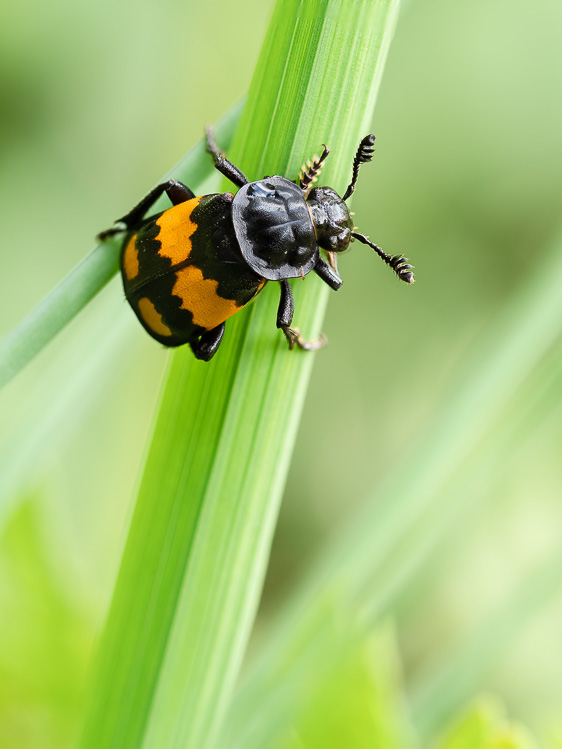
[285,318]
[175,190]
[328,274]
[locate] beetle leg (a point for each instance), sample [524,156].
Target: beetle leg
[176,191]
[332,259]
[286,308]
[208,344]
[223,165]
[327,274]
[285,318]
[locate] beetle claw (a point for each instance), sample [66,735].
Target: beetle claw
[294,338]
[313,345]
[117,228]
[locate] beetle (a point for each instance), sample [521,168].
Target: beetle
[189,268]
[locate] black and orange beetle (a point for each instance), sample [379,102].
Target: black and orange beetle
[188,269]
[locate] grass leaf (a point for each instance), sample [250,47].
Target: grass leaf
[200,536]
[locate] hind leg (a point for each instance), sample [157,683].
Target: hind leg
[223,165]
[175,190]
[207,346]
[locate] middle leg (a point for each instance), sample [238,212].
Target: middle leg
[285,318]
[328,274]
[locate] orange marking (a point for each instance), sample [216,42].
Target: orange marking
[199,296]
[176,230]
[152,318]
[131,259]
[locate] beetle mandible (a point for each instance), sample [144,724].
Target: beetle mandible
[189,268]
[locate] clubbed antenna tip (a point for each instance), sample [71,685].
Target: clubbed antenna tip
[363,155]
[311,170]
[398,263]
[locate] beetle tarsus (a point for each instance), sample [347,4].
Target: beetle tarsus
[117,228]
[222,164]
[294,337]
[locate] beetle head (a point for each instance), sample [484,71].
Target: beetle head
[332,221]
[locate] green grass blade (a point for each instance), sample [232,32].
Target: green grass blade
[383,552]
[197,551]
[51,315]
[89,277]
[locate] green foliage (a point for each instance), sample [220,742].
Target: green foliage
[44,655]
[485,726]
[360,705]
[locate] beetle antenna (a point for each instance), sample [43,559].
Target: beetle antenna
[398,263]
[310,171]
[363,155]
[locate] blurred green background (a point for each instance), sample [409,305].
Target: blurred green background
[98,100]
